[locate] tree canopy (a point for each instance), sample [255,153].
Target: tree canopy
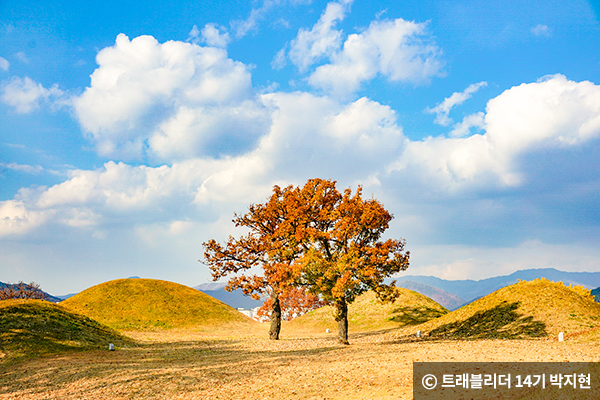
[326,242]
[347,257]
[272,244]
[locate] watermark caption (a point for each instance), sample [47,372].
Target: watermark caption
[526,380]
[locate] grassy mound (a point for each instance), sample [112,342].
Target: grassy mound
[37,327]
[134,304]
[367,313]
[531,309]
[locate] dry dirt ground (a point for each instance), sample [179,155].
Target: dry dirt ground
[193,365]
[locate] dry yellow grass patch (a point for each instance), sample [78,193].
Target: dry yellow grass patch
[239,362]
[152,304]
[367,313]
[526,309]
[192,365]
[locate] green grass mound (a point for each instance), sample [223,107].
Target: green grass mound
[137,304]
[37,327]
[531,309]
[367,313]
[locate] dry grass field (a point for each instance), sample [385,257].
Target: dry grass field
[190,365]
[237,361]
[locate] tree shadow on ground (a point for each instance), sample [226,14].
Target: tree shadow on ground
[415,316]
[500,322]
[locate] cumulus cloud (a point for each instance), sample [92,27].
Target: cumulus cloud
[214,36]
[463,128]
[4,64]
[399,50]
[318,136]
[309,136]
[142,89]
[322,40]
[25,95]
[441,189]
[551,113]
[442,110]
[17,219]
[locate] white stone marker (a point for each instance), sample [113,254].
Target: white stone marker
[418,334]
[561,336]
[111,347]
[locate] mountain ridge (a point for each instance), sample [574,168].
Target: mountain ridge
[471,290]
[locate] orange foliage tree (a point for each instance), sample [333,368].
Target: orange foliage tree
[274,243]
[347,257]
[312,237]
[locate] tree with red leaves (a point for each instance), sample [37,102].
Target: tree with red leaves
[312,237]
[346,256]
[274,243]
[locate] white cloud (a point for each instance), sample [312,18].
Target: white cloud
[141,88]
[551,113]
[28,169]
[21,56]
[17,219]
[322,40]
[279,60]
[194,35]
[437,187]
[25,95]
[463,128]
[541,30]
[4,64]
[215,36]
[443,109]
[317,136]
[309,136]
[398,50]
[244,26]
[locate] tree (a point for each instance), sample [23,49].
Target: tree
[312,237]
[22,290]
[294,302]
[346,256]
[273,244]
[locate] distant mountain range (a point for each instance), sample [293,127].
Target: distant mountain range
[451,294]
[235,299]
[471,290]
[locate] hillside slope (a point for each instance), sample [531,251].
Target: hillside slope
[367,313]
[37,327]
[536,308]
[152,304]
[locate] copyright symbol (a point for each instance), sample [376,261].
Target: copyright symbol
[429,381]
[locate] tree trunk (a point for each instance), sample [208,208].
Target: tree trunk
[341,316]
[275,317]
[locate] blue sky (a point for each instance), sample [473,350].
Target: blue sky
[130,132]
